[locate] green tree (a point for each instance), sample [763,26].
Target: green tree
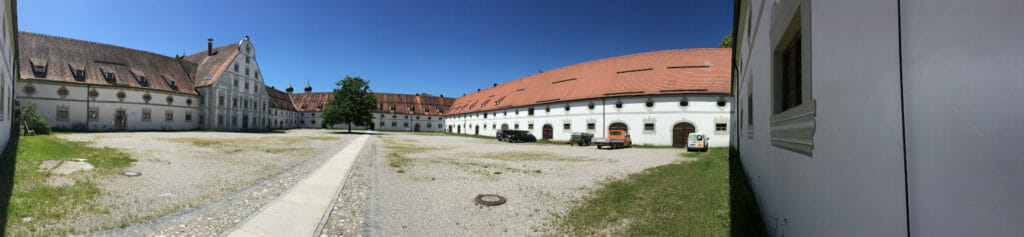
[35,121]
[726,41]
[352,104]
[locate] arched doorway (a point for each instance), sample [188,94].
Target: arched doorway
[416,128]
[504,126]
[449,128]
[619,126]
[477,132]
[680,133]
[548,132]
[460,129]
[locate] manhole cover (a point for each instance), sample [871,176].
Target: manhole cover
[131,173]
[489,199]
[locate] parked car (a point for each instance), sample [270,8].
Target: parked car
[615,139]
[697,142]
[581,138]
[507,135]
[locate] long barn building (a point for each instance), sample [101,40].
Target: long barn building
[658,97]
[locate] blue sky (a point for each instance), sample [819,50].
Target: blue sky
[437,47]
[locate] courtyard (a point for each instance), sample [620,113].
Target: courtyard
[211,183]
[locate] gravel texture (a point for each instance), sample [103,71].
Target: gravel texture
[431,192]
[198,190]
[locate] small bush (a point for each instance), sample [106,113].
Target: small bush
[35,121]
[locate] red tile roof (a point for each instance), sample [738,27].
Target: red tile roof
[312,101]
[209,67]
[60,56]
[280,100]
[680,71]
[413,104]
[402,103]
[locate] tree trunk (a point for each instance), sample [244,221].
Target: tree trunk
[349,127]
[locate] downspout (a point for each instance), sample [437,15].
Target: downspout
[88,88]
[734,77]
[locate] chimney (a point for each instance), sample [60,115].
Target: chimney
[442,95]
[478,89]
[495,85]
[209,46]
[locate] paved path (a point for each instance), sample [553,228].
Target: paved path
[299,211]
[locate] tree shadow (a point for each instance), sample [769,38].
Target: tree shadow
[744,216]
[8,159]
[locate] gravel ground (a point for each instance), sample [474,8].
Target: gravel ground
[206,189]
[432,192]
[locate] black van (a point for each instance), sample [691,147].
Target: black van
[507,135]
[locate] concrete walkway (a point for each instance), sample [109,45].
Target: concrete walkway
[300,210]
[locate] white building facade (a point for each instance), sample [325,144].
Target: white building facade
[691,95]
[234,95]
[882,118]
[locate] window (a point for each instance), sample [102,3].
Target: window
[721,103]
[220,100]
[529,111]
[39,69]
[169,115]
[529,126]
[721,127]
[565,126]
[394,116]
[793,111]
[382,116]
[78,74]
[591,105]
[234,102]
[147,115]
[547,109]
[649,103]
[648,126]
[618,104]
[405,124]
[517,126]
[94,114]
[684,103]
[566,107]
[188,116]
[247,60]
[394,124]
[62,114]
[236,69]
[247,85]
[590,126]
[246,71]
[790,91]
[142,80]
[220,120]
[382,123]
[109,76]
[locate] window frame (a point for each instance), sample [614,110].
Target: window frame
[792,126]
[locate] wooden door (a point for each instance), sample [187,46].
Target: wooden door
[680,133]
[416,128]
[477,132]
[119,120]
[245,121]
[548,132]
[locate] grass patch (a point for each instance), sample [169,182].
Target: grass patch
[706,197]
[45,205]
[400,148]
[243,144]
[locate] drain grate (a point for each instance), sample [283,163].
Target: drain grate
[489,199]
[131,173]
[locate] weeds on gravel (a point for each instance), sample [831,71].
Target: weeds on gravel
[706,197]
[529,156]
[36,208]
[400,148]
[242,144]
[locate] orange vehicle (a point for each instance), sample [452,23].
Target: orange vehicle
[615,139]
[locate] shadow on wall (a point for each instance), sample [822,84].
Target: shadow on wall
[743,212]
[7,162]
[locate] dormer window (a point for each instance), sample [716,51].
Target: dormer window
[170,83]
[109,76]
[142,80]
[412,109]
[78,74]
[39,69]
